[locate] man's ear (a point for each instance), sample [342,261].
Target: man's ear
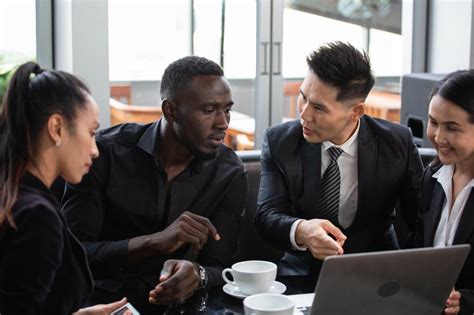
[169,110]
[55,128]
[357,111]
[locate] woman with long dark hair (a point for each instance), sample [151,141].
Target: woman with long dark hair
[47,126]
[447,202]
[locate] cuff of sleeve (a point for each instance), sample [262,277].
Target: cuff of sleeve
[292,236]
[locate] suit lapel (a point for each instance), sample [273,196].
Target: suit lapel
[431,218]
[466,224]
[366,164]
[311,177]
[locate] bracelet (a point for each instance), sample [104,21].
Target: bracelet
[202,276]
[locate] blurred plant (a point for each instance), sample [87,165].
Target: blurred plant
[5,74]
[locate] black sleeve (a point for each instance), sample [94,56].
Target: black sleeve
[274,216]
[217,255]
[410,190]
[426,192]
[467,302]
[84,207]
[31,256]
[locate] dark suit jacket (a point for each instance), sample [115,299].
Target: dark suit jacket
[389,168]
[43,267]
[432,199]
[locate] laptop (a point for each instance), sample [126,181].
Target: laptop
[412,281]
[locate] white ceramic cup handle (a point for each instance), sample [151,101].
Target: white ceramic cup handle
[224,276]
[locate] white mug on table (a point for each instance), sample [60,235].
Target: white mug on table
[252,276]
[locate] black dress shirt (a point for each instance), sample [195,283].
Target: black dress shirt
[126,194]
[43,267]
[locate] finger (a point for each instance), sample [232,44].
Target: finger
[169,267]
[115,305]
[198,234]
[451,310]
[187,238]
[182,289]
[325,241]
[452,302]
[333,230]
[455,295]
[174,278]
[205,221]
[323,255]
[324,251]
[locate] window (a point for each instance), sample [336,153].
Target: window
[303,32]
[165,29]
[145,36]
[17,36]
[374,28]
[17,32]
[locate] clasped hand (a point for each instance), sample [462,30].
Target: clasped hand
[320,237]
[188,228]
[179,279]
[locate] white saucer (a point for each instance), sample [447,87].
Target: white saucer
[232,290]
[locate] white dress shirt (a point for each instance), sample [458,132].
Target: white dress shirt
[449,221]
[348,194]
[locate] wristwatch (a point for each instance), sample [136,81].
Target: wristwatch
[202,276]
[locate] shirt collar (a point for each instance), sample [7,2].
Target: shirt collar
[150,139]
[445,174]
[349,147]
[150,143]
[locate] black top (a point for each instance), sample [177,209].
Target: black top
[429,214]
[126,194]
[389,169]
[43,268]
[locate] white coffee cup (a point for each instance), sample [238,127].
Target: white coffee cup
[268,304]
[252,276]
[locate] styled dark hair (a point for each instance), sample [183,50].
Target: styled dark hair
[343,66]
[180,73]
[458,87]
[32,96]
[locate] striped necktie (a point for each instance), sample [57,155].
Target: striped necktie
[330,187]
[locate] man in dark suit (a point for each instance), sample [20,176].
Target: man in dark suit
[330,181]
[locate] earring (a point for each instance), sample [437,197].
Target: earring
[58,142]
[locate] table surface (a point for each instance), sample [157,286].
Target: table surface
[216,301]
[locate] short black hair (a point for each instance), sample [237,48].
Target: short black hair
[458,87]
[180,73]
[344,67]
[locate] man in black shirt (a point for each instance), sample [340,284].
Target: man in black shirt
[164,198]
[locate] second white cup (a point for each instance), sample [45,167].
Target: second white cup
[268,304]
[252,276]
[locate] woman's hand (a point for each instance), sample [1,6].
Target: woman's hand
[452,303]
[103,309]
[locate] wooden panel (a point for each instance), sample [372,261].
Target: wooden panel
[121,113]
[121,92]
[240,134]
[383,105]
[291,91]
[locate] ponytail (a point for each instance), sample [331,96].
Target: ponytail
[15,143]
[32,96]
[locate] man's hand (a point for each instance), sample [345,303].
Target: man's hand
[315,235]
[178,280]
[188,228]
[452,303]
[103,309]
